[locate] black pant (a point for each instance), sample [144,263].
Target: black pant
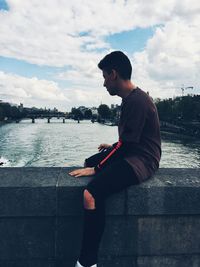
[115,176]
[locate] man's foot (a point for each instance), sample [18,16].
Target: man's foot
[79,265]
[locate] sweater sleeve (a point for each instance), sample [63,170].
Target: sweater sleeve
[113,152]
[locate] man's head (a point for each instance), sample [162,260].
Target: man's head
[116,68]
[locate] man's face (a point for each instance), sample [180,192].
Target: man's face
[110,82]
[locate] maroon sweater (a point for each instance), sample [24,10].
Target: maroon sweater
[139,135]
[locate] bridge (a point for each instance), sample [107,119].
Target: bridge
[60,115]
[34,116]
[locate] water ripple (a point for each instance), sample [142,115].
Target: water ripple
[59,144]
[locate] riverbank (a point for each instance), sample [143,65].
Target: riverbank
[185,130]
[175,136]
[191,129]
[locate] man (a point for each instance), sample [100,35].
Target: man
[130,161]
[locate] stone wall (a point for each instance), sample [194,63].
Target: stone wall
[155,224]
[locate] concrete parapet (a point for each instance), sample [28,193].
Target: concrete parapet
[155,224]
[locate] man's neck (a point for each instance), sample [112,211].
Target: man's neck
[126,88]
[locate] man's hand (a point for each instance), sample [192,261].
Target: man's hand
[83,172]
[103,146]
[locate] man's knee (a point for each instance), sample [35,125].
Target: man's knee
[89,201]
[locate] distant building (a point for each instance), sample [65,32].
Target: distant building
[21,107]
[94,111]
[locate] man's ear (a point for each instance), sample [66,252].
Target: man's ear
[114,74]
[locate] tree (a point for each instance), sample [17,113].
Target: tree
[76,114]
[180,109]
[88,114]
[1,113]
[104,111]
[15,113]
[6,110]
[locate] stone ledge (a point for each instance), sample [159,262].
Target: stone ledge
[155,224]
[45,192]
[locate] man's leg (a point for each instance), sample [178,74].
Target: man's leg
[94,222]
[112,179]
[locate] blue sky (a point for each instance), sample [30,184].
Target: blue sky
[3,5]
[49,53]
[26,69]
[129,41]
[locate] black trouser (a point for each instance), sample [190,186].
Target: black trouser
[115,176]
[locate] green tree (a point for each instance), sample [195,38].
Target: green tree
[15,113]
[1,113]
[88,114]
[182,109]
[165,109]
[7,110]
[76,114]
[104,111]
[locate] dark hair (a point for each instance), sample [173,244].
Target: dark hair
[118,61]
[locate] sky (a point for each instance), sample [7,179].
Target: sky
[49,50]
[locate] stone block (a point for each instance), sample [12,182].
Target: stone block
[169,261]
[28,191]
[28,263]
[29,177]
[68,237]
[168,235]
[69,201]
[117,262]
[65,262]
[170,191]
[27,201]
[120,236]
[27,238]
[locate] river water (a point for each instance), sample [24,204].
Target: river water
[68,144]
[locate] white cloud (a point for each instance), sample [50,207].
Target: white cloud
[171,58]
[43,93]
[30,91]
[72,33]
[48,32]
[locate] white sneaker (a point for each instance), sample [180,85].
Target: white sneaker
[79,265]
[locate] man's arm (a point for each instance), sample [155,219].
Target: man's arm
[83,172]
[89,171]
[109,156]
